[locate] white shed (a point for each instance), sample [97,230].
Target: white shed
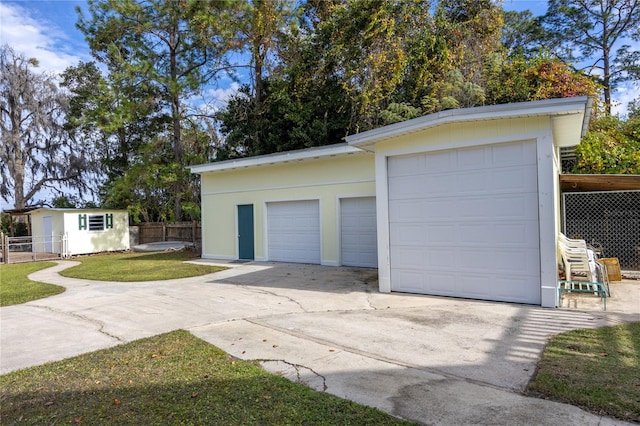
[79,231]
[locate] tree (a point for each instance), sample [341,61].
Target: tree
[593,29]
[116,115]
[155,45]
[37,153]
[612,146]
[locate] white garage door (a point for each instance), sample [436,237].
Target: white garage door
[293,231]
[358,243]
[465,223]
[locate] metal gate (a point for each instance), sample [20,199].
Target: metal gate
[32,248]
[606,220]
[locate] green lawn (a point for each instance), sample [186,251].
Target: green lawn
[596,369]
[16,288]
[174,378]
[138,267]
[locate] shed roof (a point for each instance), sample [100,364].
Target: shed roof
[73,210]
[279,157]
[570,117]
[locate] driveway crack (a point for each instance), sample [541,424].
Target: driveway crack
[272,293]
[100,325]
[297,368]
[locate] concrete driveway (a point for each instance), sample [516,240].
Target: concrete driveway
[428,359]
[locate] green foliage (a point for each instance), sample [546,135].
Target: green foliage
[16,288]
[453,93]
[596,369]
[172,378]
[396,112]
[5,223]
[159,53]
[612,146]
[134,267]
[65,201]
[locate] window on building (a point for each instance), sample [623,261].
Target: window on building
[96,222]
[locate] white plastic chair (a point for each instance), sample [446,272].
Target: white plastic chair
[579,259]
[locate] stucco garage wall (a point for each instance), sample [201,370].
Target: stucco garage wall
[326,179]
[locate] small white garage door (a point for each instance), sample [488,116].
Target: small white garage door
[358,242]
[464,223]
[293,231]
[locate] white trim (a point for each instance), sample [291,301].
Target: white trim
[551,107]
[281,157]
[302,185]
[547,211]
[382,213]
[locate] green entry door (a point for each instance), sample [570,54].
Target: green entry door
[245,232]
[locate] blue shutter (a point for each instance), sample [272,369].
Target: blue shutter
[82,221]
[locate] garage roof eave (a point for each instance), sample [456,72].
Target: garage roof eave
[280,157]
[551,107]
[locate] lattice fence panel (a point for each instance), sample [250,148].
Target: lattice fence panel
[606,220]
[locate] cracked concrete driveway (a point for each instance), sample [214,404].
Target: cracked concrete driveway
[427,359]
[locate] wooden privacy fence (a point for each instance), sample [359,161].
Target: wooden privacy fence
[159,231]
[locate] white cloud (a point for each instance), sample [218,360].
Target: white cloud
[622,96]
[37,37]
[213,99]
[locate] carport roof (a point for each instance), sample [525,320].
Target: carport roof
[591,183]
[571,118]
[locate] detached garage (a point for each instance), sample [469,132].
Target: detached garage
[287,207]
[460,203]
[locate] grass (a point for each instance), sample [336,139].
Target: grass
[596,369]
[138,267]
[173,378]
[16,288]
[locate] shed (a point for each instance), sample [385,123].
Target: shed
[83,231]
[466,202]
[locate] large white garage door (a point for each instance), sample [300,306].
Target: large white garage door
[464,223]
[293,231]
[358,242]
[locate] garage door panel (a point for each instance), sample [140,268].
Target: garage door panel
[481,226]
[408,257]
[514,154]
[408,234]
[293,231]
[438,162]
[358,232]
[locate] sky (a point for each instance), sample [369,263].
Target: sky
[45,29]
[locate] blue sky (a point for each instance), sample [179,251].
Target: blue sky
[45,29]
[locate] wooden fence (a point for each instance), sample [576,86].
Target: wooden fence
[156,232]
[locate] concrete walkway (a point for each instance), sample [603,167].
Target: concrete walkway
[428,359]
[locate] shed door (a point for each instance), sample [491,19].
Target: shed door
[465,223]
[47,230]
[293,229]
[358,242]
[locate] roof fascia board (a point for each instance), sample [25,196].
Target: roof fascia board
[550,107]
[304,154]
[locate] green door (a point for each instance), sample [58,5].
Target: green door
[245,232]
